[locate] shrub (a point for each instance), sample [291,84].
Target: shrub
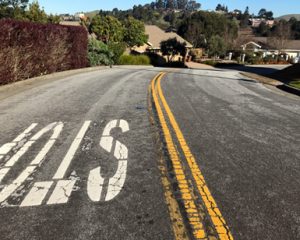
[156,60]
[99,53]
[134,60]
[210,62]
[117,50]
[33,49]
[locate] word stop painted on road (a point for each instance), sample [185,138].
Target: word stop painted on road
[60,186]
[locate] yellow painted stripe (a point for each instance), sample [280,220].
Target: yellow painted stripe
[210,204]
[180,232]
[193,216]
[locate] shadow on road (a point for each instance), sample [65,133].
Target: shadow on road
[260,70]
[173,70]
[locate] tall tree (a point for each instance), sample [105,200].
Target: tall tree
[36,14]
[13,8]
[160,4]
[262,12]
[193,6]
[201,26]
[170,4]
[216,46]
[281,35]
[244,19]
[182,4]
[219,7]
[134,32]
[107,28]
[15,3]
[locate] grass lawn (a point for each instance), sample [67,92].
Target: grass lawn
[295,83]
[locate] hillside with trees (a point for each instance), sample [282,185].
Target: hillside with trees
[25,11]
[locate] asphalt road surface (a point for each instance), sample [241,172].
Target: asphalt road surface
[200,154]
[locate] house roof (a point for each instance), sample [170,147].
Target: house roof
[251,43]
[70,23]
[266,43]
[157,35]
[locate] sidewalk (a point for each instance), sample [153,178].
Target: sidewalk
[194,65]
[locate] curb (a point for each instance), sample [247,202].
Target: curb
[13,88]
[289,89]
[262,79]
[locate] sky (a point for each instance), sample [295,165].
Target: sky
[279,7]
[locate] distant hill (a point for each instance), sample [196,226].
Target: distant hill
[91,14]
[287,17]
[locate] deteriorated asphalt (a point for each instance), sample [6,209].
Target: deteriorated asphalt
[244,136]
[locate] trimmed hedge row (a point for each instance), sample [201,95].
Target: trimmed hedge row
[134,60]
[31,49]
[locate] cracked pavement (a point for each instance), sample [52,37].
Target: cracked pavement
[245,139]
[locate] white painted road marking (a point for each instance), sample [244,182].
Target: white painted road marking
[95,184]
[9,146]
[116,183]
[61,171]
[10,188]
[27,145]
[112,124]
[3,172]
[63,187]
[62,192]
[37,194]
[56,132]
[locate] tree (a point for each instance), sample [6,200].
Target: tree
[295,27]
[219,7]
[182,4]
[172,47]
[13,8]
[269,15]
[193,6]
[222,8]
[263,30]
[216,46]
[36,14]
[15,3]
[134,32]
[281,35]
[262,12]
[170,4]
[160,4]
[244,19]
[201,26]
[107,28]
[53,19]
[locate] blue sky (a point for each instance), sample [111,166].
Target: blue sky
[279,7]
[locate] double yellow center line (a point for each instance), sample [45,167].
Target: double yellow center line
[194,216]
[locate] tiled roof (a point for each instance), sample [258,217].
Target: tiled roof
[156,35]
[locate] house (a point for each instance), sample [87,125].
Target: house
[291,48]
[255,22]
[155,37]
[251,46]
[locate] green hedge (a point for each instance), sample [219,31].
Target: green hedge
[99,53]
[134,60]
